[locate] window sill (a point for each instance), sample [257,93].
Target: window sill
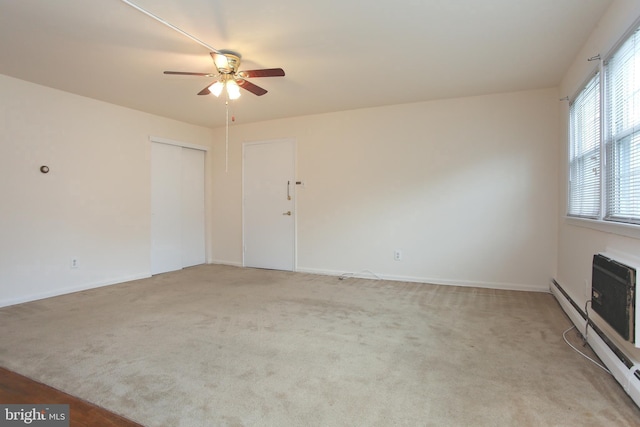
[621,229]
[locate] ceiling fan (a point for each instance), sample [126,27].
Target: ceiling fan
[227,76]
[226,63]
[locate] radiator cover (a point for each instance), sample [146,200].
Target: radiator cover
[625,370]
[613,295]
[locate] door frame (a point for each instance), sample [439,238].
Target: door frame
[293,192]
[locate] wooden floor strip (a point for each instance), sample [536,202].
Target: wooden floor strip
[15,388]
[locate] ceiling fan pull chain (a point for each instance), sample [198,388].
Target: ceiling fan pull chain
[226,140]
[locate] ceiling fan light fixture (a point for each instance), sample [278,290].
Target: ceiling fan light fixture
[216,88]
[233,89]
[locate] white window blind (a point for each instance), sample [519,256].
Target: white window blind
[584,152]
[622,135]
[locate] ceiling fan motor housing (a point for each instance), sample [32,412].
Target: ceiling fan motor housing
[227,62]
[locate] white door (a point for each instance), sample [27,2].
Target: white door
[166,186]
[177,207]
[269,205]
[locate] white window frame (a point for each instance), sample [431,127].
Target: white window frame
[604,220]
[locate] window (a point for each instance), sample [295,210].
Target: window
[604,150]
[584,152]
[622,139]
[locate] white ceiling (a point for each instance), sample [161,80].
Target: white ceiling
[338,54]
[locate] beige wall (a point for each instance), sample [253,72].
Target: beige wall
[472,190]
[94,204]
[466,188]
[580,240]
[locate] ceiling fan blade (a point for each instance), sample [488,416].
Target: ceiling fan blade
[267,72]
[255,89]
[205,91]
[188,73]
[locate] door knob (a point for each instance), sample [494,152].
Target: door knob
[287,213]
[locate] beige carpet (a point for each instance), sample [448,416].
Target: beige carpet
[226,346]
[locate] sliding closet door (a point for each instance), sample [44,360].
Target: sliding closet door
[166,212]
[177,207]
[192,203]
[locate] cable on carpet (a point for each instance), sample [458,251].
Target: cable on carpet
[564,336]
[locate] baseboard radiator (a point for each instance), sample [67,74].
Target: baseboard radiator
[624,370]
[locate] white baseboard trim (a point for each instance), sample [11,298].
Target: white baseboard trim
[72,289]
[366,274]
[225,262]
[625,370]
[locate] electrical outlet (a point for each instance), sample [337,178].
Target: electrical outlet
[74,263]
[397,255]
